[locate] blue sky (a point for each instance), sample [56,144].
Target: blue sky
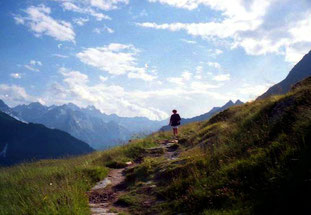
[146,57]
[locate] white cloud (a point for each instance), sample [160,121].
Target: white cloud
[16,75]
[97,31]
[218,52]
[260,26]
[199,86]
[31,68]
[103,78]
[140,73]
[59,55]
[154,104]
[186,82]
[176,80]
[77,88]
[80,21]
[181,81]
[199,72]
[109,30]
[214,64]
[143,13]
[116,59]
[14,95]
[222,77]
[188,41]
[39,21]
[93,7]
[35,63]
[214,53]
[70,6]
[73,77]
[105,28]
[19,20]
[186,75]
[252,91]
[107,4]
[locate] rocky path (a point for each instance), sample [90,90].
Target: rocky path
[104,194]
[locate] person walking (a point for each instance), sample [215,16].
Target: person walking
[175,122]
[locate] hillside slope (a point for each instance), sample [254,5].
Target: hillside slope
[251,159]
[300,71]
[21,142]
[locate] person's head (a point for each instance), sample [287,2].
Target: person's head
[174,111]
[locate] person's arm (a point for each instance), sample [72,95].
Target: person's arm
[179,119]
[170,121]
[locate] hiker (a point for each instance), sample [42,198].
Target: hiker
[175,122]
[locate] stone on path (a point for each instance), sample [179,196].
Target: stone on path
[102,184]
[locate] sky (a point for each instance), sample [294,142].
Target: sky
[147,57]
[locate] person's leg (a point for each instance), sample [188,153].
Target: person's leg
[175,131]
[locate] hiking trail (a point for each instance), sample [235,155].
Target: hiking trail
[104,195]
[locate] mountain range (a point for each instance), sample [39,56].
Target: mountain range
[21,141]
[300,71]
[88,124]
[205,116]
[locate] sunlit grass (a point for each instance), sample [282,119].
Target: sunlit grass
[250,159]
[49,186]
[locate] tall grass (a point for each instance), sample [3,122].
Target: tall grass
[254,160]
[49,186]
[60,186]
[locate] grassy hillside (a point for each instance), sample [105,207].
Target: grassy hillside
[48,186]
[249,159]
[60,186]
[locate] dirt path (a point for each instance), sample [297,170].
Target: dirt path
[106,192]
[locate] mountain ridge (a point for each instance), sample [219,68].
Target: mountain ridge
[299,72]
[89,124]
[21,142]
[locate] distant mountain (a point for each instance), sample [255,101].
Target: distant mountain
[207,115]
[4,107]
[138,125]
[135,125]
[23,142]
[80,123]
[300,71]
[88,124]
